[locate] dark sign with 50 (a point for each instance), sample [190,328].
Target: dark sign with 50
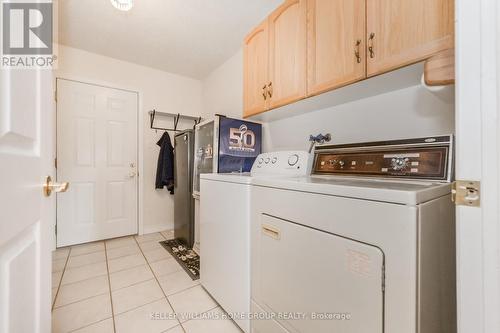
[240,142]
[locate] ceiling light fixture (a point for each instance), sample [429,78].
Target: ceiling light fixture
[124,5]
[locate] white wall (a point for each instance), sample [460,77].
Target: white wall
[409,112]
[158,89]
[405,113]
[223,89]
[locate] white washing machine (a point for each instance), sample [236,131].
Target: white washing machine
[225,229]
[366,244]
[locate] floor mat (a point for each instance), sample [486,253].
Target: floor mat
[186,257]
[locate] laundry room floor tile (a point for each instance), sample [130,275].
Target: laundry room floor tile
[176,329]
[104,326]
[87,248]
[157,255]
[86,259]
[164,267]
[150,246]
[54,293]
[119,264]
[150,237]
[192,301]
[128,285]
[78,291]
[56,278]
[176,282]
[76,274]
[130,276]
[122,251]
[143,319]
[58,265]
[80,314]
[119,242]
[61,253]
[214,324]
[136,295]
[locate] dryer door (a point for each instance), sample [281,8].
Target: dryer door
[337,283]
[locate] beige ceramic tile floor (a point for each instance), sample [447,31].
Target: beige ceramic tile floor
[129,284]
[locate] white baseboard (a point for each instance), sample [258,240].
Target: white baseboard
[148,229]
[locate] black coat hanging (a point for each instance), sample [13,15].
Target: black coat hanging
[165,167]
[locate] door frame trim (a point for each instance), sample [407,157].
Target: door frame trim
[478,140]
[140,137]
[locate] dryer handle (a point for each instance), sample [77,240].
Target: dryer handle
[271,231]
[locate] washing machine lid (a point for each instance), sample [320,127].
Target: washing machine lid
[385,190]
[238,178]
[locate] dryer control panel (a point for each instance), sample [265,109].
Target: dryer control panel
[424,158]
[287,163]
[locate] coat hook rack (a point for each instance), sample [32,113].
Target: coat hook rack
[176,117]
[196,122]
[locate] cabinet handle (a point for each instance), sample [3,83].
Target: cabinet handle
[370,45]
[264,91]
[270,89]
[356,51]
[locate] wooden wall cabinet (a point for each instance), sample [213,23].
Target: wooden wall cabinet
[287,53]
[307,47]
[275,60]
[336,45]
[439,70]
[256,67]
[404,32]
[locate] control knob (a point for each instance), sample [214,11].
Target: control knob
[293,159]
[399,163]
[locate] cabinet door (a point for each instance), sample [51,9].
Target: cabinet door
[335,43]
[405,32]
[287,49]
[256,68]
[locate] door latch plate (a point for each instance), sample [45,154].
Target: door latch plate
[466,193]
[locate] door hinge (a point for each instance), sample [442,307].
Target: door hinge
[56,229]
[55,162]
[466,193]
[55,95]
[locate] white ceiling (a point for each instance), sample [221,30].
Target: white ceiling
[187,37]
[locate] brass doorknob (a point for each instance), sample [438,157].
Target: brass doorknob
[49,187]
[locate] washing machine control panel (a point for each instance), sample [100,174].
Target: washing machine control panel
[427,158]
[290,163]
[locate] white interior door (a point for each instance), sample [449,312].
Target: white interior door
[26,221]
[97,154]
[478,158]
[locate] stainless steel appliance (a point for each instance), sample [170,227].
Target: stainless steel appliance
[205,141]
[183,185]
